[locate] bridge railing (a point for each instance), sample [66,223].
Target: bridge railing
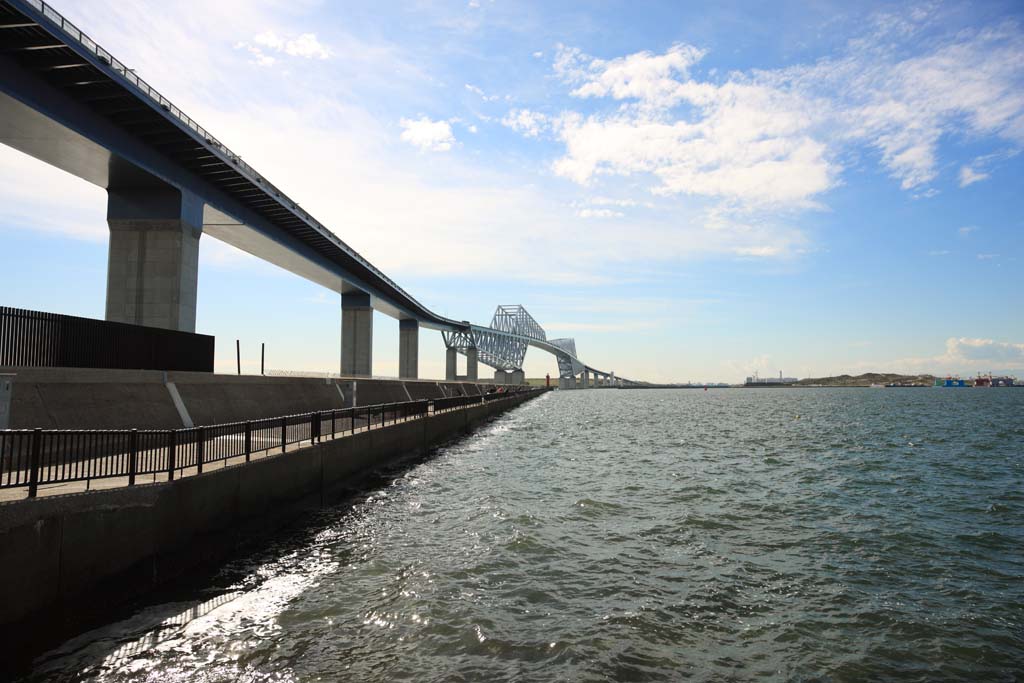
[38,457]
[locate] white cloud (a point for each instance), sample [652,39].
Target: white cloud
[962,355]
[483,95]
[968,176]
[966,230]
[625,203]
[304,45]
[599,213]
[654,80]
[987,257]
[749,142]
[427,135]
[960,349]
[775,141]
[939,252]
[762,251]
[529,123]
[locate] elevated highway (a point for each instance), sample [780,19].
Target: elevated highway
[67,101]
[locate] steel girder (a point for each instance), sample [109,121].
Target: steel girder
[568,365]
[501,351]
[516,320]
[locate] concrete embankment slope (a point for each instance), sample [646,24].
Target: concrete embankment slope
[75,398]
[83,552]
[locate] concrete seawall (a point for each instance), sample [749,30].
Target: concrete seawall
[78,553]
[79,398]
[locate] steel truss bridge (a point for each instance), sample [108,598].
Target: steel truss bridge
[67,101]
[503,345]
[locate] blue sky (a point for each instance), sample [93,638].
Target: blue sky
[691,192]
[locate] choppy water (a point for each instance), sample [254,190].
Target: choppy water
[844,535]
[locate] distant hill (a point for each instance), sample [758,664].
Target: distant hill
[866,380]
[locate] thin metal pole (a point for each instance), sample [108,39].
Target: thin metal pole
[200,442]
[238,355]
[133,456]
[33,463]
[263,356]
[248,441]
[171,448]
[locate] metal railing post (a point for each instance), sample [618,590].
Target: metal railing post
[352,419]
[33,462]
[200,448]
[172,444]
[248,441]
[334,415]
[314,425]
[284,433]
[133,456]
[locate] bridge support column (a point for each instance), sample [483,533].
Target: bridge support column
[516,377]
[471,364]
[566,383]
[500,377]
[153,260]
[408,349]
[451,365]
[356,334]
[586,379]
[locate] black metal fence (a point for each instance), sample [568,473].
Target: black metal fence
[37,339]
[37,457]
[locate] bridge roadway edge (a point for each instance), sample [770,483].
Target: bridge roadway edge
[65,561]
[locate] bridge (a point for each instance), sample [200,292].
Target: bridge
[67,101]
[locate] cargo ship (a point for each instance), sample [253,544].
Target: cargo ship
[991,380]
[981,381]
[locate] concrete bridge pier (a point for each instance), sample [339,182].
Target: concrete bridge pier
[356,334]
[515,377]
[451,365]
[153,259]
[586,379]
[566,382]
[471,364]
[408,349]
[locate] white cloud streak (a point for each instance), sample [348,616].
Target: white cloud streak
[427,135]
[526,122]
[304,46]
